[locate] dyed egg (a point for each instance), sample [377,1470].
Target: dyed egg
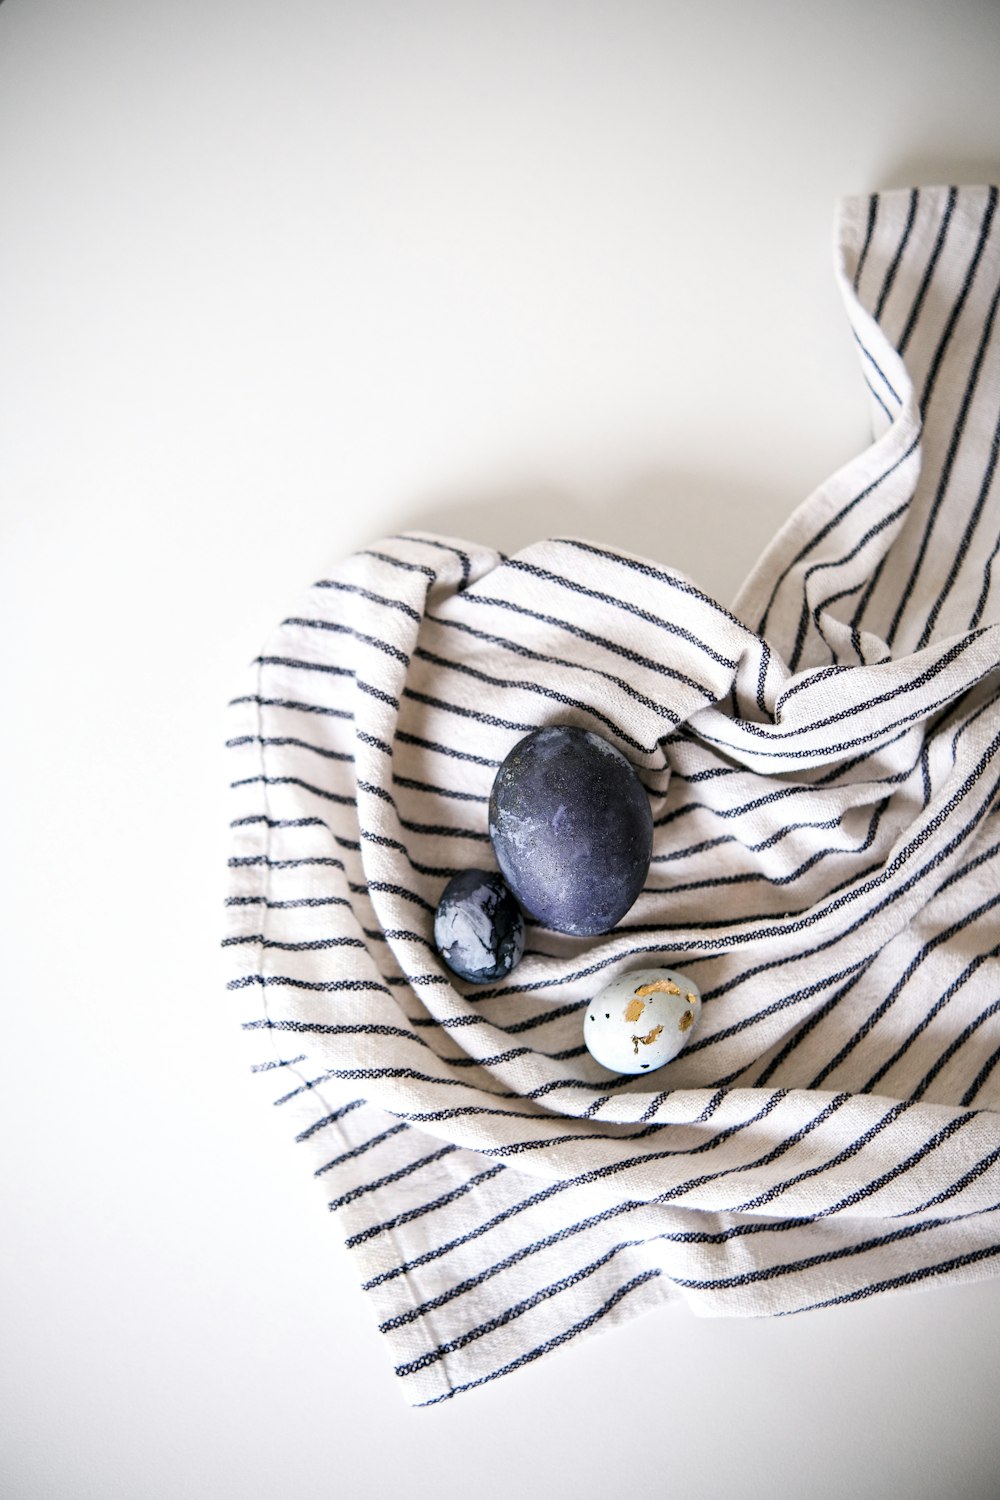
[478,926]
[572,829]
[641,1020]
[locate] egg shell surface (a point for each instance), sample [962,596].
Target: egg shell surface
[478,926]
[641,1020]
[572,829]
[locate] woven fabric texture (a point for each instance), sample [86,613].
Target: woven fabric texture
[822,763]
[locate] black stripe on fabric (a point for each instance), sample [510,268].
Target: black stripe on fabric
[907,1278]
[427,541]
[960,301]
[808,614]
[398,1220]
[852,1199]
[398,562]
[307,946]
[465,713]
[877,398]
[553,696]
[672,580]
[894,264]
[386,887]
[873,1018]
[627,607]
[324,986]
[684,1237]
[554,1342]
[501,1320]
[342,798]
[944,478]
[374,741]
[439,830]
[928,276]
[411,784]
[814,677]
[952,1191]
[892,1114]
[305,1087]
[765,662]
[753,877]
[832,524]
[389,1178]
[293,704]
[387,647]
[716,1283]
[982,1075]
[877,738]
[956,1045]
[855,972]
[285,905]
[371,1075]
[562,663]
[963,546]
[876,700]
[939,1004]
[238,861]
[470,1283]
[297,664]
[869,232]
[625,652]
[935,366]
[373,598]
[379,694]
[382,841]
[611,1169]
[353,1152]
[287,739]
[407,738]
[514,1028]
[327,1119]
[278,822]
[566,1184]
[809,1262]
[987,586]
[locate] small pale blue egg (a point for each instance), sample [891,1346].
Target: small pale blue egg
[641,1020]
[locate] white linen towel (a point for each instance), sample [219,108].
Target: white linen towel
[822,763]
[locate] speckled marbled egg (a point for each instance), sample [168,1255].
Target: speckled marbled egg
[478,926]
[641,1020]
[572,829]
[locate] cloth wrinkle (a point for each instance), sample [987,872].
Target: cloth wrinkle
[822,761]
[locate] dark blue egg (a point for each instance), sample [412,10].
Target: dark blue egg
[478,926]
[572,829]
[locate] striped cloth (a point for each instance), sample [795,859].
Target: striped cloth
[822,764]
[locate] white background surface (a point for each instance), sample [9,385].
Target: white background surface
[275,280]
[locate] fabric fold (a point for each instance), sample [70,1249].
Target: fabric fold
[822,764]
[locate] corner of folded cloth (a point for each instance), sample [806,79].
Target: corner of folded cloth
[822,767]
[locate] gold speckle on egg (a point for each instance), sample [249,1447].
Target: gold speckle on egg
[686,1020]
[659,987]
[646,1040]
[634,1010]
